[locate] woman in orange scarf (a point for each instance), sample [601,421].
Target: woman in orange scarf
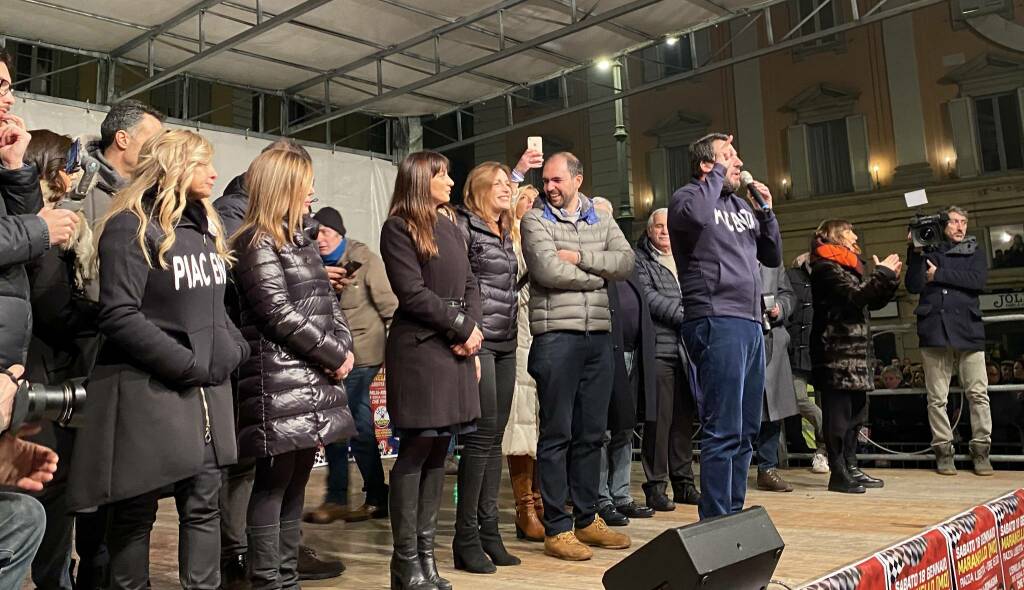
[841,348]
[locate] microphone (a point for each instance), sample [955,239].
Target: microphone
[90,177]
[746,180]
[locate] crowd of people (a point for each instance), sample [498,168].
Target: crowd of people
[226,340]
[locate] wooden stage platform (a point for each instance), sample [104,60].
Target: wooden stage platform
[822,531]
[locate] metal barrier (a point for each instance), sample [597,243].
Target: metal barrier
[926,453]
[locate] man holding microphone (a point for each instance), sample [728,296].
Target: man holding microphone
[718,238]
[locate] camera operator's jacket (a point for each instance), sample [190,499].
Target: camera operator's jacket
[567,296]
[159,391]
[948,313]
[23,238]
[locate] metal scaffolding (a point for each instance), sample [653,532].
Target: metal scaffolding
[300,112]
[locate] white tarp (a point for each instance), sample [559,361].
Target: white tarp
[358,186]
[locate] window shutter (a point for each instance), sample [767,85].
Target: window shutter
[657,175]
[962,123]
[799,165]
[1020,107]
[857,141]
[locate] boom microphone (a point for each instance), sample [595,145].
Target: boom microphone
[747,180]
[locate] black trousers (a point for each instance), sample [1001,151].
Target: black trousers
[481,459]
[131,522]
[574,374]
[667,453]
[843,413]
[234,505]
[279,487]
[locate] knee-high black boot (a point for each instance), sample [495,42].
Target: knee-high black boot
[431,492]
[264,556]
[466,548]
[406,570]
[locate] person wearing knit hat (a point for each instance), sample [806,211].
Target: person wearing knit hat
[368,303]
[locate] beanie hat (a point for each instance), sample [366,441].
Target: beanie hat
[330,217]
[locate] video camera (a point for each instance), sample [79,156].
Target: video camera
[62,404]
[928,231]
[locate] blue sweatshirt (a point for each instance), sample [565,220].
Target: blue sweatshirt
[717,242]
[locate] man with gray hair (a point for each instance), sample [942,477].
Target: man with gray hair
[949,277]
[667,445]
[127,126]
[572,251]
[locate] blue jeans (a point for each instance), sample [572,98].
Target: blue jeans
[616,461]
[574,378]
[768,440]
[728,363]
[364,445]
[22,522]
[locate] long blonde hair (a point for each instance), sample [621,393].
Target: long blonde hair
[278,183]
[167,161]
[519,194]
[478,190]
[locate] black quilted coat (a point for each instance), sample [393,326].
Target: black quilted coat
[292,321]
[494,264]
[661,288]
[841,348]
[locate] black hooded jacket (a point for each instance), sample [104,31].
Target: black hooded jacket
[158,393]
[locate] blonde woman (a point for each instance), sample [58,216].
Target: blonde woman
[290,393]
[160,409]
[520,441]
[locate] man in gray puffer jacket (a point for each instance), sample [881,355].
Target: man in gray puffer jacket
[571,252]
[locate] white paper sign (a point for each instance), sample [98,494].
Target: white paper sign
[916,198]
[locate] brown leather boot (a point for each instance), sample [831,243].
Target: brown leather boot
[326,513]
[566,546]
[528,526]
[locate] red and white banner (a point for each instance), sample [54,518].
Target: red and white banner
[974,550]
[1009,514]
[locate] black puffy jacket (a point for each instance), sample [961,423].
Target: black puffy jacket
[799,322]
[23,238]
[495,267]
[661,289]
[292,321]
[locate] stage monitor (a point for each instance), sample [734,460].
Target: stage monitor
[735,552]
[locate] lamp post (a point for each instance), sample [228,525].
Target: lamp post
[625,216]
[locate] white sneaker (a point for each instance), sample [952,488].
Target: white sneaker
[819,464]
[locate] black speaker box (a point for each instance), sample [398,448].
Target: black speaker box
[733,552]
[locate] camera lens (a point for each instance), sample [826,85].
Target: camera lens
[62,404]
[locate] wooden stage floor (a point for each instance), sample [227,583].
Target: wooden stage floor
[822,530]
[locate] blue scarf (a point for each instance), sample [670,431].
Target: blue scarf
[333,258]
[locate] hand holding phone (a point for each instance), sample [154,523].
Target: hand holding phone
[351,267]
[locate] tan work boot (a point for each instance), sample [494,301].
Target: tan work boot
[326,513]
[566,546]
[599,535]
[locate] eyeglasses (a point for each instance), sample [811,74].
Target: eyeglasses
[5,87]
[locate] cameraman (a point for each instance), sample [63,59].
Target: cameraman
[26,466]
[949,276]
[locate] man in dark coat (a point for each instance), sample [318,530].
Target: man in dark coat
[949,277]
[668,444]
[779,398]
[799,326]
[633,346]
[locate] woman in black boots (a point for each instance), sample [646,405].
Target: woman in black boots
[160,409]
[432,347]
[290,393]
[486,224]
[841,349]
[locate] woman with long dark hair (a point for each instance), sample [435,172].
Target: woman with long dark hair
[486,222]
[842,355]
[290,393]
[160,409]
[64,331]
[432,346]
